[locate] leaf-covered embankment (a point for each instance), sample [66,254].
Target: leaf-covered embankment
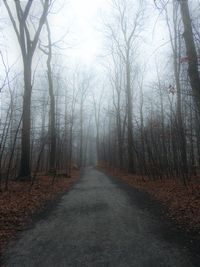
[19,203]
[181,202]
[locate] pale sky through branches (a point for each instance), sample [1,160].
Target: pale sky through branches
[81,19]
[84,21]
[80,24]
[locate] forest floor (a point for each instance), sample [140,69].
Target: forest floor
[19,204]
[102,221]
[181,203]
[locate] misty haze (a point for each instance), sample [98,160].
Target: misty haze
[100,133]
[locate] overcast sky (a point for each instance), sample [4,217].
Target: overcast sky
[82,21]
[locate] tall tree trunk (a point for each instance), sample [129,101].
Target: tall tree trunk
[131,167]
[26,122]
[191,53]
[48,52]
[28,47]
[81,135]
[52,118]
[181,132]
[120,141]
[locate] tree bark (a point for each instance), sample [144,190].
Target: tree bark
[26,121]
[191,53]
[131,167]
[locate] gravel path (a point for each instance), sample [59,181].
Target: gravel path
[101,222]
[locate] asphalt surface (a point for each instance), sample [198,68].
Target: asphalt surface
[101,222]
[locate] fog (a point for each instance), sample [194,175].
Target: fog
[112,74]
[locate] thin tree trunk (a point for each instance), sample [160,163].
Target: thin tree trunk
[131,167]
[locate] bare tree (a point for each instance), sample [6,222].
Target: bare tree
[124,32]
[84,86]
[191,52]
[97,114]
[27,46]
[47,49]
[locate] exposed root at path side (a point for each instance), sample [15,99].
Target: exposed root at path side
[18,204]
[182,203]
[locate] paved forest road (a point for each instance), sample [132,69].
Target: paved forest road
[100,222]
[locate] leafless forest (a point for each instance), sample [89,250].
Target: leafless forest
[55,115]
[112,84]
[133,112]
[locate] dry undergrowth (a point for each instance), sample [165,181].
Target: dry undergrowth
[182,203]
[18,204]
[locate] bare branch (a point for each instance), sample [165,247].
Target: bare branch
[12,19]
